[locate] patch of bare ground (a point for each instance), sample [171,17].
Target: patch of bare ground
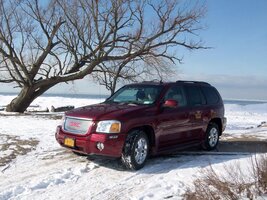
[234,183]
[245,146]
[12,146]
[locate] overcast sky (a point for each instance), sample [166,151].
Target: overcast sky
[237,62]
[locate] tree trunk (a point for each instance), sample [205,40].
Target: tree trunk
[113,85]
[112,91]
[25,98]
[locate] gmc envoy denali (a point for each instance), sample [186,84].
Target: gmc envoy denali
[145,119]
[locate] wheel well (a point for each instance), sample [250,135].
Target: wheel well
[149,132]
[217,121]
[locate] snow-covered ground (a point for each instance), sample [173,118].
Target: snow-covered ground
[246,121]
[34,166]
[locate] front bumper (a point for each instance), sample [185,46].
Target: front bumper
[87,144]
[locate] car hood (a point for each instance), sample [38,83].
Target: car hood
[105,111]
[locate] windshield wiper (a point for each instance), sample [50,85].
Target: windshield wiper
[111,102]
[133,102]
[123,102]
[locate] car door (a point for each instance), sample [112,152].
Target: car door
[174,123]
[198,112]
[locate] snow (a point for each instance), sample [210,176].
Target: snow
[43,102]
[246,120]
[49,171]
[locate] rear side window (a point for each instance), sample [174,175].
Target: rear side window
[211,95]
[195,96]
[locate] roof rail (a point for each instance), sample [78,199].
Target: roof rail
[197,82]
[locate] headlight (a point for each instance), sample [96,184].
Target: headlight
[108,126]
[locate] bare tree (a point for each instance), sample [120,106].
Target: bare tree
[42,45]
[113,73]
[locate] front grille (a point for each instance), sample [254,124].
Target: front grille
[77,125]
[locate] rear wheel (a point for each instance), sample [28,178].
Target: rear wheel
[135,151]
[212,137]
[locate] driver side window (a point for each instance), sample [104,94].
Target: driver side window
[176,93]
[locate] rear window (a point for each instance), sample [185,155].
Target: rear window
[195,96]
[211,95]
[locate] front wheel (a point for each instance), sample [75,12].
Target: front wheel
[135,151]
[212,137]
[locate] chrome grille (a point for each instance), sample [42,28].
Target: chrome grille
[77,125]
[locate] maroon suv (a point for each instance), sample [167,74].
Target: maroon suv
[146,119]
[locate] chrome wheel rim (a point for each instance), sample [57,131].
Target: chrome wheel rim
[213,137]
[140,151]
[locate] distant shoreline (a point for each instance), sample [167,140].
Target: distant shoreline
[97,96]
[80,96]
[243,102]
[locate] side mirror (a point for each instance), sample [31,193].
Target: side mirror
[170,103]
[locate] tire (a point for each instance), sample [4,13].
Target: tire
[212,137]
[136,150]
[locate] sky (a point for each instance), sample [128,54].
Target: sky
[236,63]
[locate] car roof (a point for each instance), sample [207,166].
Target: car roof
[156,83]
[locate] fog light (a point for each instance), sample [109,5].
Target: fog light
[100,146]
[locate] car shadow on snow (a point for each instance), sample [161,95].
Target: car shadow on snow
[107,162]
[190,158]
[195,158]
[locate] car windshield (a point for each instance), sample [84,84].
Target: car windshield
[136,94]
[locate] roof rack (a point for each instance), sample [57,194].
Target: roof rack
[197,82]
